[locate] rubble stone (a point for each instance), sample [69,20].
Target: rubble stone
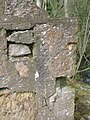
[34,54]
[16,50]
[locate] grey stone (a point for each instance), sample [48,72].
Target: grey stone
[58,106]
[57,46]
[53,56]
[24,37]
[3,45]
[88,117]
[66,102]
[54,53]
[20,14]
[18,75]
[16,50]
[46,114]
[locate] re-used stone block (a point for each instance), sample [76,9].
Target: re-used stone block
[57,46]
[54,53]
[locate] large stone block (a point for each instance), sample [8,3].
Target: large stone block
[57,45]
[18,75]
[54,54]
[21,14]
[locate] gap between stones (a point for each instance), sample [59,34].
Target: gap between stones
[30,46]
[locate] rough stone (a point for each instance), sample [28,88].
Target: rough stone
[57,46]
[65,100]
[22,69]
[21,14]
[3,45]
[53,57]
[54,54]
[24,37]
[16,50]
[16,79]
[17,106]
[54,51]
[58,106]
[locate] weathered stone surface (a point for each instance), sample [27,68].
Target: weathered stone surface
[52,57]
[16,74]
[65,100]
[22,69]
[54,54]
[57,45]
[17,106]
[16,50]
[46,114]
[24,37]
[3,45]
[60,106]
[21,14]
[17,79]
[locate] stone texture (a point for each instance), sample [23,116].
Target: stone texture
[54,54]
[53,57]
[22,69]
[57,46]
[16,79]
[3,45]
[16,106]
[60,106]
[17,74]
[65,100]
[21,14]
[16,50]
[24,37]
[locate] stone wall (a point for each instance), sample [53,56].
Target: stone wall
[36,58]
